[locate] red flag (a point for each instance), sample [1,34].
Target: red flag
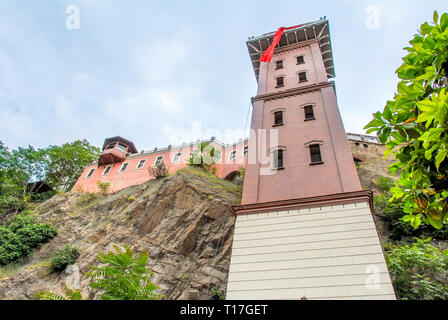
[267,55]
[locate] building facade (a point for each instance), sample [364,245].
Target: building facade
[122,165]
[304,229]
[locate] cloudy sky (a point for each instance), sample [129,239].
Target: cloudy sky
[150,71]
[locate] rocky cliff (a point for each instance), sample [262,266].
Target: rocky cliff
[183,221]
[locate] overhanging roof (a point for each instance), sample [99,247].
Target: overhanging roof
[130,144]
[319,30]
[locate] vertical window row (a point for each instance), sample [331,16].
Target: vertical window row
[280,80]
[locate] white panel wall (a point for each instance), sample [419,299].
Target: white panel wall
[329,252]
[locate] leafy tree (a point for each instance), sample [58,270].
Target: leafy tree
[413,125]
[67,162]
[124,276]
[204,157]
[17,169]
[418,271]
[22,168]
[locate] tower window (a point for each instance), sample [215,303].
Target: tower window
[309,112]
[280,82]
[278,118]
[278,159]
[107,170]
[141,164]
[90,173]
[302,76]
[315,154]
[300,60]
[124,167]
[279,64]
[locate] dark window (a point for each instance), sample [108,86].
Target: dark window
[124,167]
[300,60]
[365,145]
[302,77]
[280,82]
[110,145]
[90,173]
[315,153]
[278,117]
[309,113]
[107,170]
[278,159]
[357,144]
[279,64]
[245,151]
[141,164]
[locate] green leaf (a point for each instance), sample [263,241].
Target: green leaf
[416,221]
[441,155]
[444,21]
[435,17]
[387,113]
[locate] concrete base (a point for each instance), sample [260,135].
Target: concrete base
[324,252]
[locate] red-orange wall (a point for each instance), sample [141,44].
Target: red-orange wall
[132,176]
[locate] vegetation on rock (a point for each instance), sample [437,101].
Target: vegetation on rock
[204,157]
[419,271]
[123,275]
[63,258]
[20,235]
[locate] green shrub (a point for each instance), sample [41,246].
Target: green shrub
[21,235]
[42,197]
[392,213]
[384,184]
[69,295]
[124,276]
[418,271]
[103,186]
[87,197]
[63,258]
[217,294]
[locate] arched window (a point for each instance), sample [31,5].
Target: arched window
[315,151]
[278,158]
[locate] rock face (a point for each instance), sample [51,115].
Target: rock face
[184,222]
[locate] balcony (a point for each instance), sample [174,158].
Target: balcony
[110,156]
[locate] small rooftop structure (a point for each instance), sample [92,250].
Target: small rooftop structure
[116,149]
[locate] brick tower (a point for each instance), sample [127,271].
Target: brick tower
[304,228]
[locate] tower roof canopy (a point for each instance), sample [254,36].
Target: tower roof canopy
[319,30]
[130,144]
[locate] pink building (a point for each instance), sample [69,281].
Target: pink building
[122,165]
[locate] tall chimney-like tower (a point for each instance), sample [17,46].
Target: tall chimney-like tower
[305,227]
